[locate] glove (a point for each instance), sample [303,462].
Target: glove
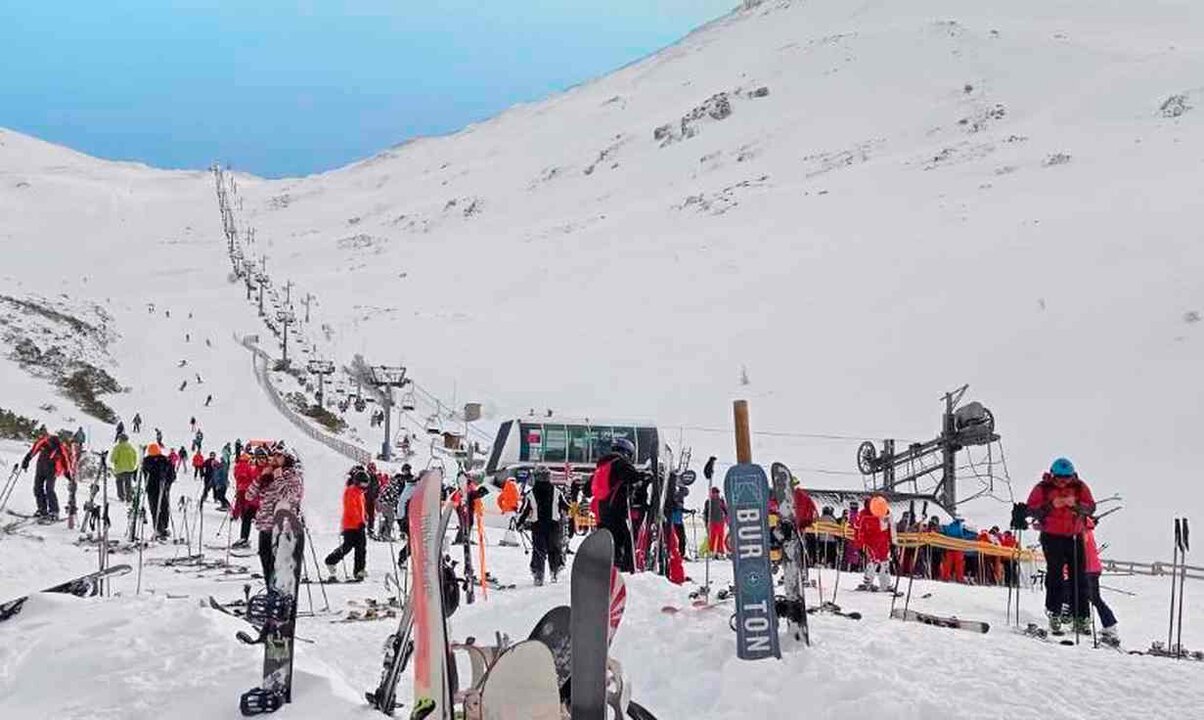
[25,465]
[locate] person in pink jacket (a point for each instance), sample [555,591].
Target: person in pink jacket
[1094,569]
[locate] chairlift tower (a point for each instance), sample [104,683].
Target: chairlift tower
[387,377]
[321,368]
[286,318]
[962,426]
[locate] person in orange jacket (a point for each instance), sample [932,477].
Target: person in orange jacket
[354,525]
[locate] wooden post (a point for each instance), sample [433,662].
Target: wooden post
[743,437]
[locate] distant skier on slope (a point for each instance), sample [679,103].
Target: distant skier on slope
[544,508]
[54,459]
[611,484]
[1060,503]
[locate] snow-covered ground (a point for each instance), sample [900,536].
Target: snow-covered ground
[926,194]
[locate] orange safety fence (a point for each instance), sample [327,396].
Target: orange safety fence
[934,539]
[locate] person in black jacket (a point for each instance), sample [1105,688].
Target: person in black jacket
[544,508]
[612,484]
[158,473]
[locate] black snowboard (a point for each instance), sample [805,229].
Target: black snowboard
[590,623]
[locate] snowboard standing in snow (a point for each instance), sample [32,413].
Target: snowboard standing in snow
[949,622]
[275,612]
[590,625]
[400,645]
[747,491]
[432,685]
[793,571]
[82,586]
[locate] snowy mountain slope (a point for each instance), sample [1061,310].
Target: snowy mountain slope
[925,196]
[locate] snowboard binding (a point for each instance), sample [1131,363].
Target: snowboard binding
[258,701]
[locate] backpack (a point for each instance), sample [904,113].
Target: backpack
[600,486]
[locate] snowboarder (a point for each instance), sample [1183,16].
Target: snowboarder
[54,459]
[1060,503]
[543,509]
[353,525]
[611,484]
[158,475]
[124,457]
[280,484]
[714,510]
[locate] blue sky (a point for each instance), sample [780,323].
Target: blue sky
[285,88]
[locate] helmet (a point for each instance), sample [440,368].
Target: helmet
[1062,468]
[624,447]
[405,467]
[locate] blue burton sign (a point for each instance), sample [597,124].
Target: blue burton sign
[747,490]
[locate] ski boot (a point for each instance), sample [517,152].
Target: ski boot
[1109,636]
[555,576]
[538,578]
[1082,625]
[1055,623]
[332,573]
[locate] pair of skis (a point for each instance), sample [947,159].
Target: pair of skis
[82,586]
[794,560]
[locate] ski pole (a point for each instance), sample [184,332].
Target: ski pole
[313,553]
[1182,579]
[1170,627]
[1075,584]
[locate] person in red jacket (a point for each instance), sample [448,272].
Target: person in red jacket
[1060,504]
[873,538]
[354,525]
[54,459]
[198,464]
[243,510]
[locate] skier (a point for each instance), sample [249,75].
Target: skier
[371,494]
[1060,503]
[125,467]
[119,431]
[873,537]
[208,471]
[192,424]
[197,440]
[1108,632]
[208,401]
[158,474]
[953,562]
[198,464]
[79,438]
[280,484]
[543,509]
[353,525]
[388,506]
[611,485]
[403,511]
[714,510]
[136,423]
[244,510]
[158,436]
[54,459]
[675,515]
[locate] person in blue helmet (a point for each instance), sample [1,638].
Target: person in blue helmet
[1060,505]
